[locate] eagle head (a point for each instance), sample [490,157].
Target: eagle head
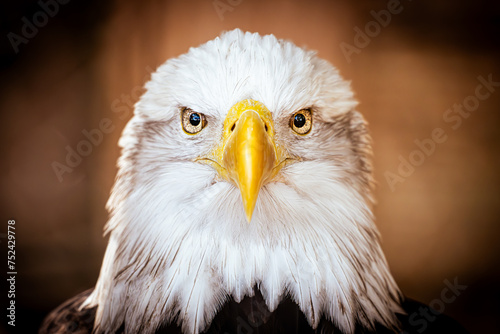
[245,167]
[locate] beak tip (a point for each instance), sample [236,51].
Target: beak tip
[248,217]
[249,211]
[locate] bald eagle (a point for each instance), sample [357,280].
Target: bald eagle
[242,204]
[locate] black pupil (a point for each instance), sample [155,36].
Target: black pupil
[194,119]
[299,120]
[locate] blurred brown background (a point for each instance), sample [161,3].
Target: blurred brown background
[89,61]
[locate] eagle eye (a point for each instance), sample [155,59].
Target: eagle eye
[192,121]
[301,121]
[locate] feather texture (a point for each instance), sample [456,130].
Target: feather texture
[180,247]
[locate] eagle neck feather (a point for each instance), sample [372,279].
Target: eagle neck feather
[159,268]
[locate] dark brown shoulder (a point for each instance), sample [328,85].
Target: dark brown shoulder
[422,319]
[67,318]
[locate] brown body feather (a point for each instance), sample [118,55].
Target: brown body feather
[251,315]
[68,318]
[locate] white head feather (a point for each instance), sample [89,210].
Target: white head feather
[179,241]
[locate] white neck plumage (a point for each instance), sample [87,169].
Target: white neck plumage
[187,254]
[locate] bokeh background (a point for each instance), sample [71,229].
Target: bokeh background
[90,59]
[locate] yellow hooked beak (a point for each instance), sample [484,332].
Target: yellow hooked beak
[248,156]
